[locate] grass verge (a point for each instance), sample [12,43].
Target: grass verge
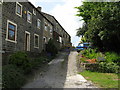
[102,80]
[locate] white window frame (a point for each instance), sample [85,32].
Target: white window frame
[8,21]
[17,3]
[46,26]
[34,40]
[26,32]
[27,17]
[60,39]
[51,29]
[34,11]
[38,20]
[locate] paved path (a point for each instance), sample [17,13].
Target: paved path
[60,73]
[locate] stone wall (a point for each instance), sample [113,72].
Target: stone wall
[22,26]
[9,13]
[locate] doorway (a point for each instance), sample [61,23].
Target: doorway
[27,41]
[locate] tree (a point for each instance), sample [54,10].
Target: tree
[103,24]
[81,31]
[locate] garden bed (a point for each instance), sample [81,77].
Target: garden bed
[100,68]
[90,59]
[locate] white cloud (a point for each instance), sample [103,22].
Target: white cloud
[65,14]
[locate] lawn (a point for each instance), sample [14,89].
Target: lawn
[102,80]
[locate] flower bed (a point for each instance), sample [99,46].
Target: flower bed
[99,62]
[88,64]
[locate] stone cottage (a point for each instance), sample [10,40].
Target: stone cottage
[26,28]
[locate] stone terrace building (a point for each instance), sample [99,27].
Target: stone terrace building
[22,27]
[26,28]
[60,36]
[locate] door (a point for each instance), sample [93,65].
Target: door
[27,41]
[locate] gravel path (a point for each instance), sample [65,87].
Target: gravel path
[60,73]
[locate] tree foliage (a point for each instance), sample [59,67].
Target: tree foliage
[102,20]
[82,30]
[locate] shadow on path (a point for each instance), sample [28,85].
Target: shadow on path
[53,75]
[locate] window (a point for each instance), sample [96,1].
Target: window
[29,17]
[1,1]
[51,29]
[11,31]
[36,41]
[38,23]
[34,11]
[19,9]
[45,26]
[45,41]
[60,39]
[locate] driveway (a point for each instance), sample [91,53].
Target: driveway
[61,72]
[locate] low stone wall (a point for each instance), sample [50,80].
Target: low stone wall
[86,66]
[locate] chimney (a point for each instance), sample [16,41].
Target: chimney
[39,8]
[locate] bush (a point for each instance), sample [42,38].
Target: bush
[89,53]
[108,62]
[107,57]
[12,77]
[112,57]
[20,59]
[110,67]
[103,67]
[51,48]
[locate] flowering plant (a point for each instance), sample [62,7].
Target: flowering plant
[91,60]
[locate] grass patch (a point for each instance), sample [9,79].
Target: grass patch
[102,80]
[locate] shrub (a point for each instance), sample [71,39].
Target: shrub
[108,62]
[51,48]
[100,57]
[89,53]
[12,77]
[20,59]
[110,67]
[112,57]
[103,67]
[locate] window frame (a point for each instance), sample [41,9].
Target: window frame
[46,26]
[17,3]
[15,33]
[28,12]
[34,11]
[51,29]
[60,39]
[35,40]
[38,20]
[26,32]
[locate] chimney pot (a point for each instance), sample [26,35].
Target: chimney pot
[39,8]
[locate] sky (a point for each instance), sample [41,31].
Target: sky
[64,12]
